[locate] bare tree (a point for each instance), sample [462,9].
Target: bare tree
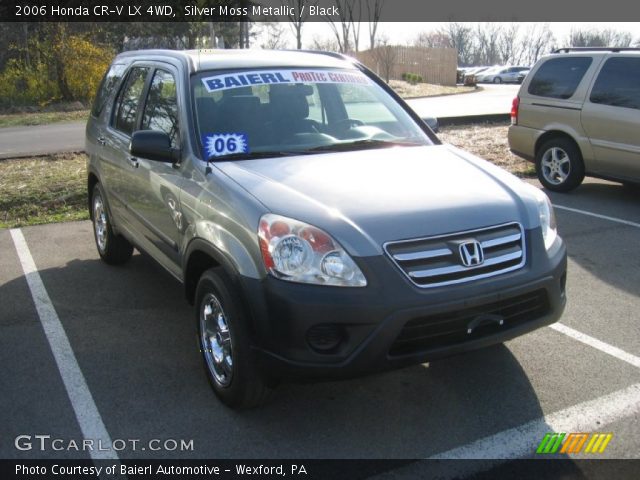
[599,38]
[385,56]
[374,12]
[298,17]
[324,44]
[354,15]
[460,37]
[432,40]
[274,34]
[510,44]
[486,51]
[347,26]
[537,40]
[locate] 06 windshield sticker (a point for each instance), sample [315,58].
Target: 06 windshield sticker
[219,144]
[228,81]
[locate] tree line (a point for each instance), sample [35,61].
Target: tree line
[515,43]
[42,63]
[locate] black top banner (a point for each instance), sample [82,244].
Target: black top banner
[316,10]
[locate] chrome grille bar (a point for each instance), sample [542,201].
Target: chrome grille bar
[436,261]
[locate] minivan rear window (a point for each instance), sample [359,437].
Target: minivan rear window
[559,77]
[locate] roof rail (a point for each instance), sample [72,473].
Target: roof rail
[596,49]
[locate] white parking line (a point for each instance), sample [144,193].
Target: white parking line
[597,215]
[81,399]
[522,441]
[595,343]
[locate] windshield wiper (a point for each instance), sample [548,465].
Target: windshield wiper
[364,143]
[256,155]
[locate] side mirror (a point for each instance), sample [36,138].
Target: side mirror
[432,122]
[153,145]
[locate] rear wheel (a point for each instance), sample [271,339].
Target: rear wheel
[113,249]
[559,165]
[223,336]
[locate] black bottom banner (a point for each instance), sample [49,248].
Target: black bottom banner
[321,469]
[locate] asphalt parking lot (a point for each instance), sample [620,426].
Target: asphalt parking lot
[132,335]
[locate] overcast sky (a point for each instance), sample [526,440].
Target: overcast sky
[404,32]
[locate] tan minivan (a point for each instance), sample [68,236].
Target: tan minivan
[578,113]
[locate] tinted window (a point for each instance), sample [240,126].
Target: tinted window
[161,107]
[559,77]
[129,99]
[298,110]
[109,82]
[618,83]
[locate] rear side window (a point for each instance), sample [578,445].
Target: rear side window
[559,77]
[618,83]
[161,107]
[129,100]
[109,82]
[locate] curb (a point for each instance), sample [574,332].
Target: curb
[475,90]
[20,155]
[468,119]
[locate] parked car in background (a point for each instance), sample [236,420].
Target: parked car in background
[470,74]
[502,75]
[522,74]
[487,73]
[316,223]
[578,113]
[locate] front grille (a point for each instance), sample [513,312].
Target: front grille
[450,328]
[437,261]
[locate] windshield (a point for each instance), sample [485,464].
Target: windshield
[269,112]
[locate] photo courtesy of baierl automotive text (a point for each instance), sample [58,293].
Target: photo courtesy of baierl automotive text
[229,229]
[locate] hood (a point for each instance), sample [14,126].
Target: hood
[368,197]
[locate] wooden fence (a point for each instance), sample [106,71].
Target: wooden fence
[435,65]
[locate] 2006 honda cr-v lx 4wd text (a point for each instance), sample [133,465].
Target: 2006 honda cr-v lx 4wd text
[317,224]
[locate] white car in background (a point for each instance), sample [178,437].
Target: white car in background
[502,75]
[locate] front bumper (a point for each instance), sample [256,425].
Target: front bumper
[374,317]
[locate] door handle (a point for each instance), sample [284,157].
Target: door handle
[134,162]
[102,141]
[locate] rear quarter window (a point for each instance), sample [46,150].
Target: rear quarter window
[618,83]
[559,77]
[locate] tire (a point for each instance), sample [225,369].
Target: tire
[559,165]
[497,80]
[223,338]
[113,249]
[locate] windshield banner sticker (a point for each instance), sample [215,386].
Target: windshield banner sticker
[265,77]
[218,144]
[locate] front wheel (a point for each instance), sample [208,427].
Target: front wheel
[113,249]
[223,336]
[497,80]
[559,165]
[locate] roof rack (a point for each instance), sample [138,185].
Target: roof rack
[596,49]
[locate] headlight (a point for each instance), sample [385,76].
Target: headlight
[298,252]
[547,217]
[547,221]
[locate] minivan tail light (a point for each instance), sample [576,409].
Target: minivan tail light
[515,105]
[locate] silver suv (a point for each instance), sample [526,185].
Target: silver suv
[319,227]
[578,113]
